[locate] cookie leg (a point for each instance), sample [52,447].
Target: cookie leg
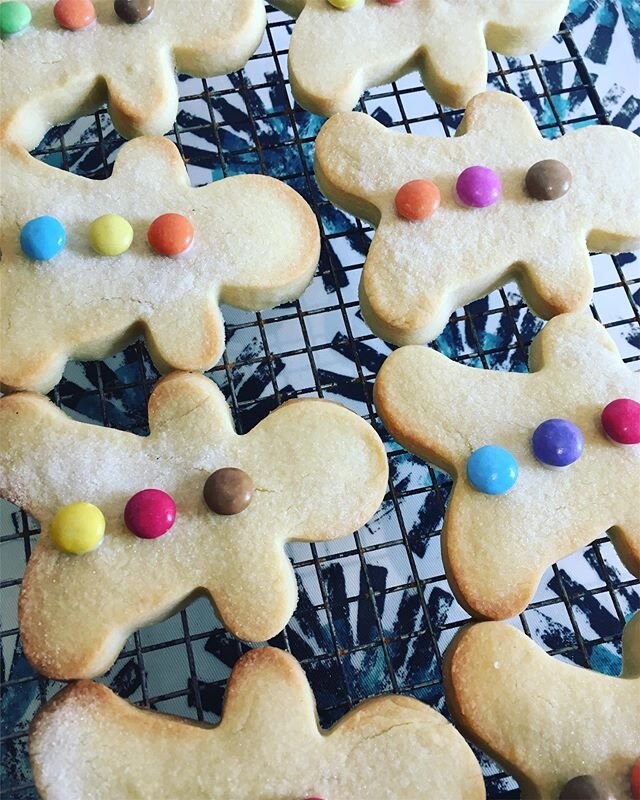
[558,283]
[401,301]
[493,565]
[454,68]
[259,595]
[143,98]
[186,335]
[626,540]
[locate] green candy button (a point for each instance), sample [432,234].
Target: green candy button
[14,18]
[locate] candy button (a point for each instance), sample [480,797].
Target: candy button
[548,180]
[74,15]
[621,421]
[42,238]
[417,200]
[78,528]
[228,491]
[478,187]
[14,18]
[635,780]
[132,11]
[586,787]
[492,470]
[557,443]
[170,234]
[345,5]
[110,235]
[150,513]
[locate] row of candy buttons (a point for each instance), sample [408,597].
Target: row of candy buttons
[481,187]
[79,528]
[74,15]
[110,235]
[556,443]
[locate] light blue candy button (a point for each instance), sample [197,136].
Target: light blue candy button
[492,470]
[42,238]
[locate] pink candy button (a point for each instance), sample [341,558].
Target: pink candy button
[621,421]
[150,513]
[478,187]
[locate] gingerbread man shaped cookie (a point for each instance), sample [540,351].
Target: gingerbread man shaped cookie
[89,743]
[87,265]
[543,463]
[339,48]
[134,527]
[563,731]
[62,59]
[458,217]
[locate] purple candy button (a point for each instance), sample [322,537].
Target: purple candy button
[479,187]
[557,443]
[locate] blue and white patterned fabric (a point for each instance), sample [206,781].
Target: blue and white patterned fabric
[375,611]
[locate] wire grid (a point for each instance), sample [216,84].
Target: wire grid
[337,654]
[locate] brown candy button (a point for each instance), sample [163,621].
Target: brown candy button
[228,491]
[586,787]
[132,11]
[548,180]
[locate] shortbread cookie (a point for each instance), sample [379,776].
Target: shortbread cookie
[487,207]
[254,244]
[337,53]
[89,743]
[134,528]
[510,516]
[51,73]
[563,731]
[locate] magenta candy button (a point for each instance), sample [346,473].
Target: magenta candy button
[621,421]
[479,187]
[150,513]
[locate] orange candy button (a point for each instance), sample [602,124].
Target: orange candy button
[74,14]
[170,234]
[417,200]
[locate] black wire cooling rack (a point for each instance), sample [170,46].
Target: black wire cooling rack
[352,614]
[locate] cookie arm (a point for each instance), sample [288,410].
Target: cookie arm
[413,394]
[346,147]
[33,432]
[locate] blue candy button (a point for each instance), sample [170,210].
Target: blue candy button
[557,443]
[492,470]
[42,238]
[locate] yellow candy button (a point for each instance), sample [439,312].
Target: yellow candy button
[345,5]
[110,235]
[78,528]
